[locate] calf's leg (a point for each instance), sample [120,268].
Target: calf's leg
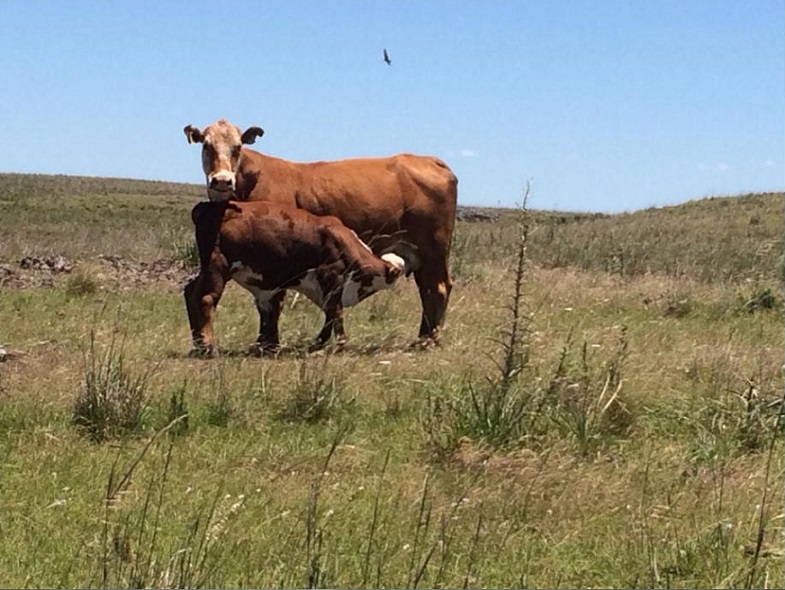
[333,325]
[333,319]
[269,341]
[202,295]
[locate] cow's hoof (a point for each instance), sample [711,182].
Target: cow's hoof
[319,345]
[338,347]
[316,346]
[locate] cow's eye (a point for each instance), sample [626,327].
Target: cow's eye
[236,151]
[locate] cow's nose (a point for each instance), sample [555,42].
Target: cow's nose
[220,183]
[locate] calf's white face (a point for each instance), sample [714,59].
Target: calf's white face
[221,154]
[355,291]
[395,260]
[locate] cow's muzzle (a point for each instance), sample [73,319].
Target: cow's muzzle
[220,186]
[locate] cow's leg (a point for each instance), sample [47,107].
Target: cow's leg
[434,284]
[202,295]
[269,308]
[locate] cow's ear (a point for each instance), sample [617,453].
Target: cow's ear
[250,134]
[193,134]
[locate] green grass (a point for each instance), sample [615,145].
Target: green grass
[728,239]
[320,469]
[82,217]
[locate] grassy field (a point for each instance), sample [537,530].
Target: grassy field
[616,424]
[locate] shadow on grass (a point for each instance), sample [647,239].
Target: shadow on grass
[304,350]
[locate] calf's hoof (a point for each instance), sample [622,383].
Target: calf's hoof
[426,342]
[265,350]
[203,352]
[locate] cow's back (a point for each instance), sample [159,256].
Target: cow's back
[369,195]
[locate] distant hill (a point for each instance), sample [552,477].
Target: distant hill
[60,184]
[715,239]
[736,238]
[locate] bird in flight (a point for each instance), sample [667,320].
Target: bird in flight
[387,59]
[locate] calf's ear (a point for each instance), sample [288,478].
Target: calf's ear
[250,134]
[193,134]
[197,211]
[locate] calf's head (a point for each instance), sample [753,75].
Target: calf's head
[367,281]
[221,154]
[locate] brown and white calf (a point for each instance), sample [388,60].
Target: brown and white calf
[266,248]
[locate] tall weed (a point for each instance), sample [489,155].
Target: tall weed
[502,409]
[135,553]
[584,400]
[113,397]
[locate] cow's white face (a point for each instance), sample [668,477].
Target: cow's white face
[221,154]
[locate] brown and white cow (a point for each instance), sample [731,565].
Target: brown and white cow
[391,203]
[267,248]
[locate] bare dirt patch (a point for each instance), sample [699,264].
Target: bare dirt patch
[109,271]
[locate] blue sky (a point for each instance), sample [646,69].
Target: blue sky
[606,105]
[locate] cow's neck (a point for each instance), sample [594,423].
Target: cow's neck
[262,178]
[244,183]
[248,174]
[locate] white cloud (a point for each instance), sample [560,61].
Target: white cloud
[464,153]
[718,167]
